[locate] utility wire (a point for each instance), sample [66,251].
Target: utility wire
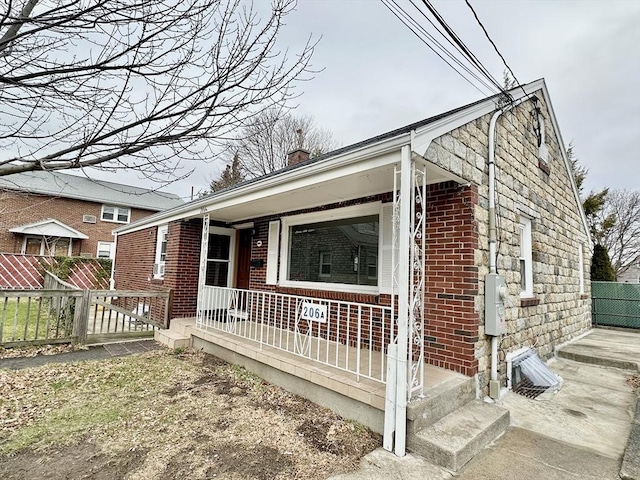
[411,27]
[513,75]
[442,47]
[467,52]
[414,24]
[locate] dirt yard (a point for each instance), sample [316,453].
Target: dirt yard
[166,415]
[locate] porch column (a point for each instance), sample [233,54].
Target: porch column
[204,248]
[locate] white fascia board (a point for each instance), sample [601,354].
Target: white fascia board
[49,227]
[563,151]
[364,158]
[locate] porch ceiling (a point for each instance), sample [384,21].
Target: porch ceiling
[335,189]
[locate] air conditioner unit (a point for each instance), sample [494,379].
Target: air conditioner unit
[158,269]
[89,219]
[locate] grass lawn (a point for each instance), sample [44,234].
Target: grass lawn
[166,415]
[30,319]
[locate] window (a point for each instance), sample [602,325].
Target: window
[60,247]
[372,266]
[526,261]
[161,252]
[218,260]
[346,243]
[33,246]
[105,250]
[325,264]
[111,213]
[581,268]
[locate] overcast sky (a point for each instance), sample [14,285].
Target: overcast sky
[378,76]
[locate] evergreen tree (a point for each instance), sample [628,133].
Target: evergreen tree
[601,268]
[229,176]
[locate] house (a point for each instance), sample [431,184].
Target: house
[632,273]
[53,213]
[446,244]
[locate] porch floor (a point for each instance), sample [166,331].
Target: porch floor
[362,389]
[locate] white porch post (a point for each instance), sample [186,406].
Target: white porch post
[403,301]
[204,247]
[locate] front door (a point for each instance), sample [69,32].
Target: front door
[244,259]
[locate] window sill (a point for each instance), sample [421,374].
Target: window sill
[542,165]
[529,301]
[115,221]
[332,287]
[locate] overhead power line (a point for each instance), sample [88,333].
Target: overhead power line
[463,47]
[420,32]
[513,75]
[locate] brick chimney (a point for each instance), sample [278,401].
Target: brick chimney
[296,156]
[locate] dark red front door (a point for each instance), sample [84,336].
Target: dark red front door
[244,260]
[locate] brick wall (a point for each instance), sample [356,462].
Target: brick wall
[451,286]
[182,266]
[135,257]
[17,209]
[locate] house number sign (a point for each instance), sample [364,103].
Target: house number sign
[314,312]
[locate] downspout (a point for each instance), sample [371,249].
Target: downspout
[403,303]
[112,278]
[492,228]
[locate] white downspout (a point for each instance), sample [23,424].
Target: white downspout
[492,217]
[403,303]
[112,278]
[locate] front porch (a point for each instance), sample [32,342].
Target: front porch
[447,425]
[339,387]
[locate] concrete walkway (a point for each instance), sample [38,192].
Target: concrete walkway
[95,352]
[580,432]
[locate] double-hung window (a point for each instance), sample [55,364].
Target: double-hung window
[161,252]
[105,250]
[526,258]
[111,213]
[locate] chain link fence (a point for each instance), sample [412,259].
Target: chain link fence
[615,304]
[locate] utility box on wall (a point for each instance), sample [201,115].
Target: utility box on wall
[495,291]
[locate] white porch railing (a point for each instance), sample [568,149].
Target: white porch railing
[345,335]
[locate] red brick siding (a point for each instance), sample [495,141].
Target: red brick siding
[17,209]
[135,256]
[451,321]
[182,266]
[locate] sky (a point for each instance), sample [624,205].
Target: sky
[377,76]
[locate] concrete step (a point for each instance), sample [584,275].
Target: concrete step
[171,339]
[455,439]
[182,325]
[439,402]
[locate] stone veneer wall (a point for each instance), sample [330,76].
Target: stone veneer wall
[541,191]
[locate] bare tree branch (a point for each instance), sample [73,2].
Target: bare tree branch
[263,144]
[137,84]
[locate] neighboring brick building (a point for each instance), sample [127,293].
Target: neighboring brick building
[259,234]
[52,213]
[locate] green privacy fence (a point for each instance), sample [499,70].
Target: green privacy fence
[615,304]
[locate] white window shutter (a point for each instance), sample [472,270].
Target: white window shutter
[386,247]
[272,252]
